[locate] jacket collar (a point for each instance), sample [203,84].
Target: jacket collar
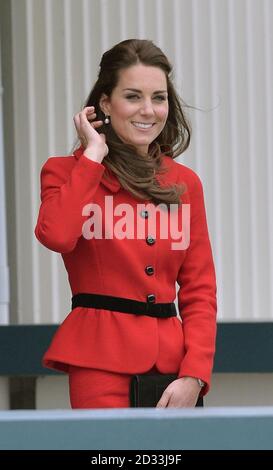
[109,179]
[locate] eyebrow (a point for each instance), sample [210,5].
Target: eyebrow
[139,91]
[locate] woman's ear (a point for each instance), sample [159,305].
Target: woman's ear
[104,104]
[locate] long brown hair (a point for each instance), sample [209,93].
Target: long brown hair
[135,173]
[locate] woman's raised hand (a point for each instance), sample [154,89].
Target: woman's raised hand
[93,142]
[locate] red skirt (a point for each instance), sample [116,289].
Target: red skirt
[94,388]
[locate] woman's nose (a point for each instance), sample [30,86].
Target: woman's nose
[147,108]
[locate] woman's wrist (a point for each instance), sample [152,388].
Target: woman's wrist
[91,155]
[198,381]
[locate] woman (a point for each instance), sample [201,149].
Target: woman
[98,210]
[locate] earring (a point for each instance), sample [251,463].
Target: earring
[106,120]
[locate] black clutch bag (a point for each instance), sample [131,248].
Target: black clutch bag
[146,389]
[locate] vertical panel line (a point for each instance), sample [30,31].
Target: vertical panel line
[197,129]
[216,157]
[141,19]
[55,300]
[32,156]
[252,187]
[68,69]
[123,19]
[177,39]
[159,24]
[4,267]
[268,37]
[86,45]
[104,25]
[233,99]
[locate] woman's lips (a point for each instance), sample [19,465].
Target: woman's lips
[143,126]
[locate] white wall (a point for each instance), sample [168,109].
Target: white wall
[222,51]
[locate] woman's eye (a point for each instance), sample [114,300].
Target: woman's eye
[160,98]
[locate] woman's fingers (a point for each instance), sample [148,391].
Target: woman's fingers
[86,125]
[85,118]
[87,109]
[92,122]
[76,120]
[96,123]
[91,116]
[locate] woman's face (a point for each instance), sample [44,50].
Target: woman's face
[138,106]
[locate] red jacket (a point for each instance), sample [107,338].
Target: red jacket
[115,341]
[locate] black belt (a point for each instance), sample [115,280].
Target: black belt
[122,305]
